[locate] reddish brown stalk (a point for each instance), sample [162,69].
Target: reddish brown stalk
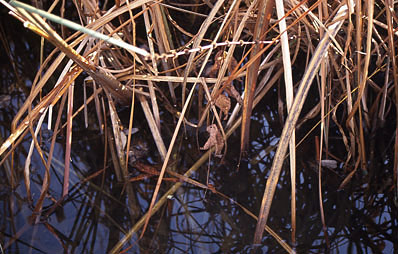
[292,118]
[167,157]
[319,159]
[389,6]
[265,7]
[56,233]
[43,193]
[51,98]
[68,141]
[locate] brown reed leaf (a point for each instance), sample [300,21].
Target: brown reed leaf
[265,9]
[213,69]
[215,139]
[223,102]
[343,12]
[231,91]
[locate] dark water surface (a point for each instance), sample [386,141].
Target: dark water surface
[361,218]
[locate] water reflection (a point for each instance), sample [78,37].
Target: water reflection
[98,212]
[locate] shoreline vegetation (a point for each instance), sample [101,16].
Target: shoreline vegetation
[171,87]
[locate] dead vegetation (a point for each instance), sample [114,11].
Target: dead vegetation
[206,65]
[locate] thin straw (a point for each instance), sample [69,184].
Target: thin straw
[80,28]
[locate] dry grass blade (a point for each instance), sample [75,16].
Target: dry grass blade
[220,79]
[154,102]
[165,42]
[45,184]
[29,158]
[291,121]
[196,44]
[199,162]
[203,29]
[362,80]
[203,159]
[153,126]
[116,128]
[265,10]
[105,79]
[319,145]
[393,57]
[222,55]
[349,176]
[143,220]
[65,189]
[287,66]
[76,27]
[49,99]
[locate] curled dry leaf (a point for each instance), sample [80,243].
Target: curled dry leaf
[230,89]
[215,139]
[213,70]
[232,65]
[218,60]
[223,103]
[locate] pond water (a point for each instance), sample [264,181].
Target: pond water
[100,210]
